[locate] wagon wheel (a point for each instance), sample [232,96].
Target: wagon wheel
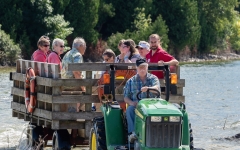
[97,139]
[61,140]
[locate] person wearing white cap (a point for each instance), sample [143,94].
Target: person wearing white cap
[143,48]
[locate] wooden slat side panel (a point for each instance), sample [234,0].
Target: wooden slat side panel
[18,76]
[56,124]
[17,91]
[75,116]
[38,112]
[75,99]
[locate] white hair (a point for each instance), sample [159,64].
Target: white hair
[56,42]
[78,41]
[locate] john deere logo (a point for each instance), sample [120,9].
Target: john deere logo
[165,118]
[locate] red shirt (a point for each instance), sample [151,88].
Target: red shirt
[53,57]
[39,56]
[160,54]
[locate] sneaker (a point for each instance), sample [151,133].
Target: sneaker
[132,137]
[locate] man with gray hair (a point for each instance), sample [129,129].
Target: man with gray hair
[73,56]
[143,48]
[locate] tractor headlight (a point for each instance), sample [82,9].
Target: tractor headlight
[174,119]
[156,118]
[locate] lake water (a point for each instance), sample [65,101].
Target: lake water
[212,100]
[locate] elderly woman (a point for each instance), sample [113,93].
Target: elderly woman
[58,48]
[40,54]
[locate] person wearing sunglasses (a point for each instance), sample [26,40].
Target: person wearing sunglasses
[40,54]
[143,48]
[57,50]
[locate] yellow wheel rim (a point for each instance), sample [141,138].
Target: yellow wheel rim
[94,142]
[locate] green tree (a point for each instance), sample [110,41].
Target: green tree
[83,17]
[215,17]
[181,17]
[141,32]
[124,16]
[59,6]
[9,51]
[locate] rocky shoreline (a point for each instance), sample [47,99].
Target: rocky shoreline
[210,57]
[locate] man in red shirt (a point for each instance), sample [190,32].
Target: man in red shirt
[158,55]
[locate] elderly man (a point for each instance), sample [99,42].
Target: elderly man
[74,56]
[158,55]
[143,48]
[140,82]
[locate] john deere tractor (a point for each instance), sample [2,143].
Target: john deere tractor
[159,124]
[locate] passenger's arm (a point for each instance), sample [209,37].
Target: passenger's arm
[170,63]
[130,102]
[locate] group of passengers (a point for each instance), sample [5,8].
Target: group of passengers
[152,52]
[141,54]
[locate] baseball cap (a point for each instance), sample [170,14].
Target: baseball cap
[141,62]
[143,44]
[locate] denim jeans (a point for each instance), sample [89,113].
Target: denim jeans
[130,113]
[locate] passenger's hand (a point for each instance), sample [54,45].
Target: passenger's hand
[134,103]
[144,89]
[161,63]
[127,54]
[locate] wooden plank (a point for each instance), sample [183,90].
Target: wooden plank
[55,71]
[44,97]
[17,91]
[18,76]
[18,69]
[40,69]
[102,66]
[75,99]
[75,115]
[69,124]
[37,112]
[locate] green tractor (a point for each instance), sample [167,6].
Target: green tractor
[159,125]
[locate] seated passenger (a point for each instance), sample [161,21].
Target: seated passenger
[120,57]
[57,50]
[108,56]
[143,48]
[130,52]
[41,53]
[140,82]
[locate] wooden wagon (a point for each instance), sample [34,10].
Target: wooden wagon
[51,111]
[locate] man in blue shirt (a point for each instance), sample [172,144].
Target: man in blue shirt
[140,82]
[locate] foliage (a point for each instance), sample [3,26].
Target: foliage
[215,17]
[181,17]
[83,17]
[58,27]
[234,37]
[142,33]
[9,51]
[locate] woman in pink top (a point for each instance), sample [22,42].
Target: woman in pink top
[40,54]
[58,48]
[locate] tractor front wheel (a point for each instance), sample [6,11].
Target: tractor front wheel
[97,139]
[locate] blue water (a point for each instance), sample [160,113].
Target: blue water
[212,99]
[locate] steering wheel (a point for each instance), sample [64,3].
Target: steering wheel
[148,91]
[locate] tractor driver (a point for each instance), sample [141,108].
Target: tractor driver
[139,82]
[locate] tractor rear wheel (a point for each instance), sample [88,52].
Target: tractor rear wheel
[191,137]
[97,139]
